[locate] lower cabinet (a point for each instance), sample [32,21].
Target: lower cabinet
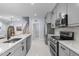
[64,51]
[28,43]
[8,53]
[72,53]
[23,47]
[17,50]
[21,50]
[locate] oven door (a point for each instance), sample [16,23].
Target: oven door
[53,48]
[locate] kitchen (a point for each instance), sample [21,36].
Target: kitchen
[39,29]
[64,22]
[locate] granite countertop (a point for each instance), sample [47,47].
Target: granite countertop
[71,44]
[5,46]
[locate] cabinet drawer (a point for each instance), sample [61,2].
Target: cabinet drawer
[72,53]
[8,53]
[63,50]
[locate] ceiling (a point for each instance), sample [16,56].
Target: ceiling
[26,9]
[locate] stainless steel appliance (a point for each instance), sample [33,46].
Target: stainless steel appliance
[65,35]
[49,31]
[62,22]
[54,45]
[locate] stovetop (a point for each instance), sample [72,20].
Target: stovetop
[55,37]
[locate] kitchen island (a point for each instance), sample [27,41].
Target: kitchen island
[18,48]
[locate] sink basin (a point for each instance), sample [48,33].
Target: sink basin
[12,40]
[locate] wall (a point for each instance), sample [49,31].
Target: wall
[41,26]
[73,29]
[21,22]
[3,31]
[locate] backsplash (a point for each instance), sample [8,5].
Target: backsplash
[17,22]
[73,29]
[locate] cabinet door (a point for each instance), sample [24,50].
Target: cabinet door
[73,14]
[61,8]
[73,53]
[48,18]
[54,17]
[23,47]
[18,52]
[8,53]
[63,51]
[28,43]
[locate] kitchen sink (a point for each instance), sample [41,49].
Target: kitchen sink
[12,40]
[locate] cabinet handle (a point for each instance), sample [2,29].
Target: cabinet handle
[22,48]
[62,48]
[8,54]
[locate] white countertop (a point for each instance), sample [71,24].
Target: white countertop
[71,44]
[5,46]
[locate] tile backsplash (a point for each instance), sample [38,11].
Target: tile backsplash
[73,29]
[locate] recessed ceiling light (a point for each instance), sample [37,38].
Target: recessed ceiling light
[35,14]
[32,3]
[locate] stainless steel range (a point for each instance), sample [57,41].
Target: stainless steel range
[54,45]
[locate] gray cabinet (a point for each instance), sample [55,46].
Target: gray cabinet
[8,53]
[63,51]
[21,50]
[17,50]
[28,43]
[23,47]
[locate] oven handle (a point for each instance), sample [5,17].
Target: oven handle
[62,48]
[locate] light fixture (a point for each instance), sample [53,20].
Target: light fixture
[32,3]
[35,14]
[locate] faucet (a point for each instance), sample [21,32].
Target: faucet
[10,32]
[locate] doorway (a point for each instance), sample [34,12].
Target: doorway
[36,28]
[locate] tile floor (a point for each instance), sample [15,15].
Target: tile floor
[38,48]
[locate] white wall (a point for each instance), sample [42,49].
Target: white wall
[3,29]
[21,22]
[73,29]
[41,24]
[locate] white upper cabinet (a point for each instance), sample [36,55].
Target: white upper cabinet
[54,17]
[61,8]
[73,14]
[48,17]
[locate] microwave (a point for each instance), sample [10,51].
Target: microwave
[62,22]
[66,35]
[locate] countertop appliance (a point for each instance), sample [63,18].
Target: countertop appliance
[54,45]
[65,35]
